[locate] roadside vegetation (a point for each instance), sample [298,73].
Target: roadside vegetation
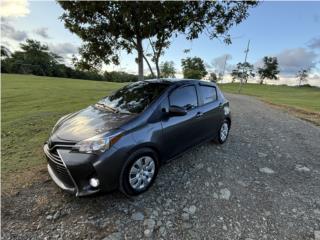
[32,104]
[30,107]
[303,101]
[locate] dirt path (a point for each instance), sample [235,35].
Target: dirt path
[264,183]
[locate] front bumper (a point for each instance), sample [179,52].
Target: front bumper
[59,182]
[71,171]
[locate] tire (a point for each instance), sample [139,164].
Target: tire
[223,132]
[146,173]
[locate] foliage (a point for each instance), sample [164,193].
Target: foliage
[5,52]
[167,69]
[193,68]
[35,58]
[269,70]
[303,101]
[213,77]
[111,26]
[243,72]
[119,77]
[302,75]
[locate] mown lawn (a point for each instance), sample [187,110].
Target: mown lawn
[30,107]
[303,102]
[305,98]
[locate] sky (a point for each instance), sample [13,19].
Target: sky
[288,30]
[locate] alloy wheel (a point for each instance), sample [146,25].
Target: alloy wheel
[224,131]
[141,173]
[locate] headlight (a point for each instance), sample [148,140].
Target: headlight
[97,144]
[226,110]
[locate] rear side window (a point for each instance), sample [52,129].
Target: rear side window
[185,97]
[208,93]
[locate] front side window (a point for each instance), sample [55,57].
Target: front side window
[184,97]
[134,98]
[208,93]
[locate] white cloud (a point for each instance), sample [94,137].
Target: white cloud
[14,8]
[292,60]
[42,32]
[221,63]
[9,32]
[63,49]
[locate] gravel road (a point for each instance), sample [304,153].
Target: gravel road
[264,183]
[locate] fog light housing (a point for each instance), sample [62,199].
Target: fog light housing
[94,182]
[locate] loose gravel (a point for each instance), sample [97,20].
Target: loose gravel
[264,183]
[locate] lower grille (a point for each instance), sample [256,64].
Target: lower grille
[57,165]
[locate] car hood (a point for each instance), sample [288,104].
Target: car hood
[88,123]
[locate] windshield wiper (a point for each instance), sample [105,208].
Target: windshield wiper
[107,107]
[111,109]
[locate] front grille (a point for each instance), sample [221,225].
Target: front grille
[57,164]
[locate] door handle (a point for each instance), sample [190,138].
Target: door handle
[199,114]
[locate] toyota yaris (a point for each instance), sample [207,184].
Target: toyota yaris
[121,141]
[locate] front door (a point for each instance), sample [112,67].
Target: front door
[181,132]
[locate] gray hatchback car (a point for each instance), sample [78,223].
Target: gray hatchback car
[121,141]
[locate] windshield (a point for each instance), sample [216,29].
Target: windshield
[133,98]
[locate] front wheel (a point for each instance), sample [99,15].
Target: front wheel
[223,132]
[139,172]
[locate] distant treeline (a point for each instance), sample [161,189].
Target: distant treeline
[36,59]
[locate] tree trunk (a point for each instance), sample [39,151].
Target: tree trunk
[158,69]
[151,72]
[140,59]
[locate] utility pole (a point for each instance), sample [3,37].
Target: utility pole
[246,51]
[224,68]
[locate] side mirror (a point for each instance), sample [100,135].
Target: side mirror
[177,111]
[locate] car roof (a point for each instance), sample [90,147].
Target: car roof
[179,81]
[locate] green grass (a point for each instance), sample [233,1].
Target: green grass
[30,107]
[305,98]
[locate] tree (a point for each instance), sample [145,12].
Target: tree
[220,65]
[108,27]
[167,69]
[119,77]
[242,72]
[35,58]
[213,77]
[193,68]
[5,52]
[269,70]
[302,75]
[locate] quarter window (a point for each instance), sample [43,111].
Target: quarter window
[185,97]
[208,93]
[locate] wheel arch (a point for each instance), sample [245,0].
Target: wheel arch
[150,146]
[132,151]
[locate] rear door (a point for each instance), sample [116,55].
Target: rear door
[181,132]
[211,111]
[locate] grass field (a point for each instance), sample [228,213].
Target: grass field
[31,105]
[303,102]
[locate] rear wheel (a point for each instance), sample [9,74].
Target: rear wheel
[223,132]
[139,172]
